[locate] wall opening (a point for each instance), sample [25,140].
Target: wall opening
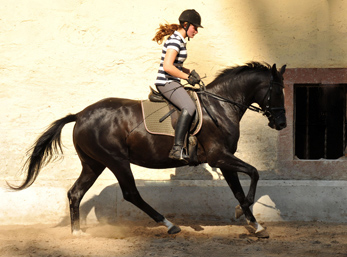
[319,121]
[313,144]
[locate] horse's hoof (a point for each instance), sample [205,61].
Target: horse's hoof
[262,234]
[238,212]
[174,230]
[259,230]
[78,233]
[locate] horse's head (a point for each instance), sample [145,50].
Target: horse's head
[253,82]
[273,100]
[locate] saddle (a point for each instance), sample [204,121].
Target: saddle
[160,117]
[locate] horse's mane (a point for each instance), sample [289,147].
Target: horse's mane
[236,70]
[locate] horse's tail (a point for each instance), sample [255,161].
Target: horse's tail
[46,148]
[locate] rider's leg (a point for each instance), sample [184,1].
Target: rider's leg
[178,96]
[182,126]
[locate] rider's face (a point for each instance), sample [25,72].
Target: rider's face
[192,31]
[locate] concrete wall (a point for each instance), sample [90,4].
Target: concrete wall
[57,57]
[279,200]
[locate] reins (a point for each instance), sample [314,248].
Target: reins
[202,91]
[223,99]
[267,112]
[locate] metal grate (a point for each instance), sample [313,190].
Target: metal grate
[320,121]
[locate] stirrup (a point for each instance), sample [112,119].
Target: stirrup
[178,153]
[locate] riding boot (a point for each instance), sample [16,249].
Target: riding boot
[182,126]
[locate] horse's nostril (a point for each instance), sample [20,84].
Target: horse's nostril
[283,125]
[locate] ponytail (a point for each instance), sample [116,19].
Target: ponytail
[165,30]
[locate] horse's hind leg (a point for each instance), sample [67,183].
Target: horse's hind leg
[127,184]
[87,178]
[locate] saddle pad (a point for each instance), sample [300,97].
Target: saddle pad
[153,111]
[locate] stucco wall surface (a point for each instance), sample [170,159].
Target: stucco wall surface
[58,57]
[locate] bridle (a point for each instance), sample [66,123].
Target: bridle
[268,111]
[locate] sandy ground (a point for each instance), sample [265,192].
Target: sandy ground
[202,239]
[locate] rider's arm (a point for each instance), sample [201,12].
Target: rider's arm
[169,67]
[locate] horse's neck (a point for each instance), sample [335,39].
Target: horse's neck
[242,94]
[239,93]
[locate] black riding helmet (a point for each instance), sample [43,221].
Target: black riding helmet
[190,16]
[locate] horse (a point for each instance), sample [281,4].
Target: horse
[110,133]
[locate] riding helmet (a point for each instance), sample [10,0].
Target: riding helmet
[191,16]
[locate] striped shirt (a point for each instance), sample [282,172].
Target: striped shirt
[178,43]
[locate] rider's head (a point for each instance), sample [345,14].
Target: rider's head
[188,18]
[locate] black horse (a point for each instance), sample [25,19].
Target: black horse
[111,133]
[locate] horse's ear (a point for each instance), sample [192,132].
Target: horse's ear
[274,68]
[283,69]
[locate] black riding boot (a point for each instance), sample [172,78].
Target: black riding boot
[182,126]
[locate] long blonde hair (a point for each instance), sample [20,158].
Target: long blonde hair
[165,30]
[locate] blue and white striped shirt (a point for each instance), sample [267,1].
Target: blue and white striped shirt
[178,43]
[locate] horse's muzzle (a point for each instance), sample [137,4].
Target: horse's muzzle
[278,122]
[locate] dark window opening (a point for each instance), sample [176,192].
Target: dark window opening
[320,121]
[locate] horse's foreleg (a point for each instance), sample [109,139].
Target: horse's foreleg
[126,181]
[76,193]
[234,183]
[244,207]
[230,170]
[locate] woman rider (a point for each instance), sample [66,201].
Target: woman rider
[171,71]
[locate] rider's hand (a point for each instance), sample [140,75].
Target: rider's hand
[193,78]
